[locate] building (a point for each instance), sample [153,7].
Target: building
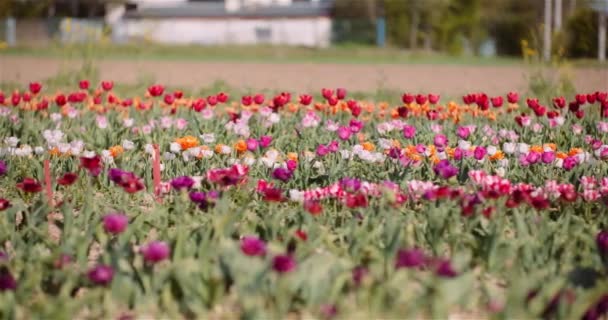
[229,22]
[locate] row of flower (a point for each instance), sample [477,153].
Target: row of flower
[177,206]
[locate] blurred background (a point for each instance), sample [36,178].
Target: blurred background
[449,46]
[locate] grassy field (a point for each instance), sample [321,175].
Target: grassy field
[355,54]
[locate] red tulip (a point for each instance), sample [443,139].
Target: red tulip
[482,101]
[402,111]
[212,100]
[27,97]
[574,106]
[126,103]
[552,114]
[4,204]
[246,100]
[434,98]
[222,97]
[497,102]
[97,100]
[532,103]
[540,111]
[407,98]
[156,90]
[327,93]
[601,96]
[29,185]
[341,93]
[580,114]
[83,84]
[169,99]
[313,207]
[15,98]
[1,98]
[332,101]
[559,103]
[420,99]
[60,100]
[591,98]
[305,99]
[35,87]
[355,110]
[42,105]
[112,99]
[581,98]
[199,104]
[67,179]
[432,115]
[258,98]
[178,94]
[301,234]
[469,98]
[280,100]
[107,85]
[92,165]
[512,97]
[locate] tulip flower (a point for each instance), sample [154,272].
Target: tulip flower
[283,263]
[101,275]
[253,246]
[29,185]
[156,251]
[410,258]
[115,223]
[7,281]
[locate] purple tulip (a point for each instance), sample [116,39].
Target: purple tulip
[101,275]
[479,153]
[333,146]
[350,185]
[445,270]
[344,133]
[283,263]
[394,153]
[282,174]
[355,125]
[445,169]
[458,154]
[183,182]
[440,141]
[156,251]
[115,223]
[463,132]
[410,258]
[409,131]
[3,168]
[533,157]
[253,246]
[115,175]
[570,163]
[322,150]
[197,197]
[547,157]
[291,165]
[265,141]
[252,144]
[7,282]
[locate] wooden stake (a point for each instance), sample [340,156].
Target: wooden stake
[156,173]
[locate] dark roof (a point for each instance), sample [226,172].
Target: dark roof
[218,10]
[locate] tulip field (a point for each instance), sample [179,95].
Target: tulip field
[158,203]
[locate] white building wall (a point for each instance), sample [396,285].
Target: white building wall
[313,31]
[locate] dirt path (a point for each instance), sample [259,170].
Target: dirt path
[444,79]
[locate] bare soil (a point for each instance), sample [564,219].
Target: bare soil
[448,80]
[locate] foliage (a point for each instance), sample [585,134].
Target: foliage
[277,206]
